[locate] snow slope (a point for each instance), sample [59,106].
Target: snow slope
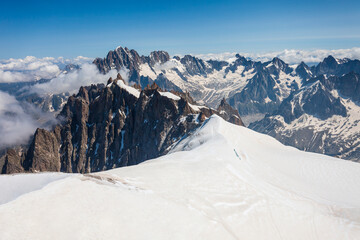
[209,89]
[222,182]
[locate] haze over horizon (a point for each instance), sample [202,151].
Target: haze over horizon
[86,28]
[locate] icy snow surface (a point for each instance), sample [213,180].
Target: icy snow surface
[129,89]
[222,182]
[170,95]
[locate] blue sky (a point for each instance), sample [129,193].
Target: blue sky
[91,28]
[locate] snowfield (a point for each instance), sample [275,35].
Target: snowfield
[221,182]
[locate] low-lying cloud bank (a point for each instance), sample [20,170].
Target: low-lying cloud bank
[291,56]
[18,121]
[31,68]
[71,82]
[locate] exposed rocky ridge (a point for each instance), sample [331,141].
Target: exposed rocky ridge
[189,67]
[323,116]
[249,86]
[336,67]
[112,126]
[299,101]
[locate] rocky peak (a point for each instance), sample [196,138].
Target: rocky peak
[120,57]
[241,58]
[328,66]
[349,86]
[109,81]
[71,67]
[119,77]
[217,65]
[330,61]
[303,71]
[313,99]
[277,65]
[227,112]
[113,126]
[153,86]
[158,57]
[193,65]
[240,61]
[336,67]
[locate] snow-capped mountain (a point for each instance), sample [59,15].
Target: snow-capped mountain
[322,116]
[103,127]
[221,182]
[251,87]
[327,93]
[273,88]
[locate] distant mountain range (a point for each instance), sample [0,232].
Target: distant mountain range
[312,108]
[113,125]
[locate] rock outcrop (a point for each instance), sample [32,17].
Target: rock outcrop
[113,126]
[322,116]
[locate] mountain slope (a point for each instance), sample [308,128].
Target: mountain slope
[209,81]
[215,184]
[323,116]
[253,88]
[104,127]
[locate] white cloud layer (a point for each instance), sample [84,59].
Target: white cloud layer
[18,121]
[291,56]
[31,68]
[71,82]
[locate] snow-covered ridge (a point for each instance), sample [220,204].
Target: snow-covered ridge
[129,89]
[222,182]
[170,95]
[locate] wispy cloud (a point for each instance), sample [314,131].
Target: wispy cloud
[71,82]
[18,121]
[291,56]
[31,68]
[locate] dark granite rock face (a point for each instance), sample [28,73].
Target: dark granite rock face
[328,66]
[194,66]
[349,86]
[274,88]
[315,119]
[157,57]
[217,65]
[43,153]
[331,66]
[304,71]
[242,61]
[229,113]
[252,99]
[278,65]
[322,104]
[130,59]
[103,128]
[245,102]
[314,100]
[12,162]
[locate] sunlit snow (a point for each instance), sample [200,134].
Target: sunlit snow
[222,182]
